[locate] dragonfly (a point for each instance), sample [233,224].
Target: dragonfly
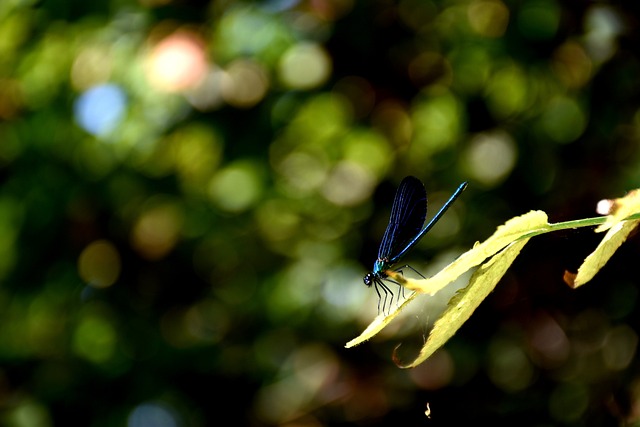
[404,230]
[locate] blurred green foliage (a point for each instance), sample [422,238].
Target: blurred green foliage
[192,191]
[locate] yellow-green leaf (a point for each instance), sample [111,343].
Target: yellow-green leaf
[379,323]
[599,257]
[515,228]
[622,208]
[464,303]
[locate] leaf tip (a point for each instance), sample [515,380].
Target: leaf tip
[396,358]
[570,279]
[398,362]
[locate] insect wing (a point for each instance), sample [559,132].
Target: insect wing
[408,213]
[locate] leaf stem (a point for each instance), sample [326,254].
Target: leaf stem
[576,223]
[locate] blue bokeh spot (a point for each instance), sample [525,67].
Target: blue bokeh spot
[100,109]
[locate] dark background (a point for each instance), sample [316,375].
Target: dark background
[184,245]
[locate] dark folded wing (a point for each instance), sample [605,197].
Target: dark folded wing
[407,218]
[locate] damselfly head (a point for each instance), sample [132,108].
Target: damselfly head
[368,279]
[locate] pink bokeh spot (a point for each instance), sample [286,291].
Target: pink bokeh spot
[178,62]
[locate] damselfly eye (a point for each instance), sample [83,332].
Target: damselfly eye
[368,279]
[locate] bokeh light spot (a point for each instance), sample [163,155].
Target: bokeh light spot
[568,402]
[178,62]
[348,184]
[28,413]
[45,67]
[539,19]
[100,109]
[208,94]
[417,13]
[309,370]
[331,10]
[435,373]
[304,170]
[246,31]
[153,414]
[491,157]
[437,123]
[619,347]
[563,120]
[507,92]
[430,68]
[509,368]
[236,187]
[11,98]
[244,83]
[572,65]
[304,66]
[603,25]
[548,341]
[488,18]
[196,151]
[207,321]
[99,264]
[318,122]
[345,302]
[369,149]
[91,67]
[277,220]
[393,121]
[157,230]
[472,66]
[94,339]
